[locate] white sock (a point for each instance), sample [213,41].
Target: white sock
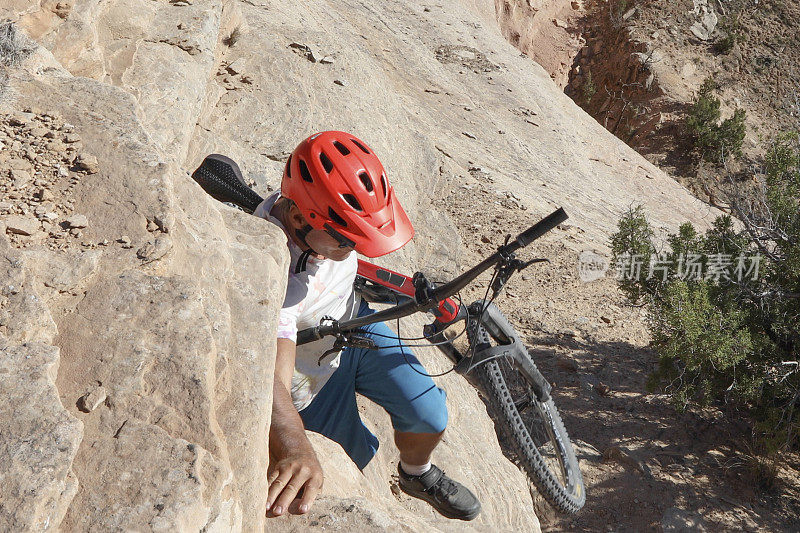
[415,470]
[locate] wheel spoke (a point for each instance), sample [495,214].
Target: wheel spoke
[523,403]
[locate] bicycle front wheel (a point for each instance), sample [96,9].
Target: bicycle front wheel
[533,429]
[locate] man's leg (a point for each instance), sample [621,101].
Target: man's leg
[392,377]
[334,413]
[416,448]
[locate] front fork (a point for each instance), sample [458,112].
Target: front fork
[508,345]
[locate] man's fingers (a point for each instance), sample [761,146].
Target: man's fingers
[310,491]
[285,487]
[293,485]
[276,486]
[286,497]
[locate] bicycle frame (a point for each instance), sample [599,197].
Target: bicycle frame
[427,297]
[414,294]
[402,285]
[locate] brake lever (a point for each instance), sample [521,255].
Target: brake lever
[422,288]
[337,347]
[343,340]
[504,272]
[507,269]
[337,344]
[526,264]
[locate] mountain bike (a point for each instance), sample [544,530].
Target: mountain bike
[507,376]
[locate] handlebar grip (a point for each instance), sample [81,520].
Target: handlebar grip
[543,226]
[308,335]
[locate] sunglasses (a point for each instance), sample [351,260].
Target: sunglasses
[343,241]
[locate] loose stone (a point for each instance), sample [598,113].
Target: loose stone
[21,225]
[92,399]
[88,163]
[77,221]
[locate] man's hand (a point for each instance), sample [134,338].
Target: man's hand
[294,482]
[294,474]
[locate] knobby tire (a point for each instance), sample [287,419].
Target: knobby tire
[567,496]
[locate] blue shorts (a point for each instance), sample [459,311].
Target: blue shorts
[414,403]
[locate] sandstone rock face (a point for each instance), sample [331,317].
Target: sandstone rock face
[39,438]
[544,30]
[175,337]
[168,300]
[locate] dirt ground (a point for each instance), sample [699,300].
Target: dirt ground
[643,63]
[760,73]
[646,466]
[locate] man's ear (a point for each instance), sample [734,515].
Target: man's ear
[296,218]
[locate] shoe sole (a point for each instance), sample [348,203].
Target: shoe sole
[430,501]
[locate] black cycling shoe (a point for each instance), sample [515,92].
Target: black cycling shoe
[450,498]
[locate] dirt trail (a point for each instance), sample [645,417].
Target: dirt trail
[646,466]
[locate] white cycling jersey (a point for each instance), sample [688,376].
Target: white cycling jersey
[315,288]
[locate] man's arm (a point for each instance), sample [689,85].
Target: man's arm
[293,464]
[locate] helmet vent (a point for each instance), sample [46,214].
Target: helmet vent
[350,199]
[336,218]
[363,148]
[305,173]
[342,148]
[289,167]
[366,181]
[326,163]
[383,184]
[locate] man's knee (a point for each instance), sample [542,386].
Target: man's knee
[432,422]
[428,416]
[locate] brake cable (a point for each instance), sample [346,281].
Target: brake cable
[411,366]
[500,276]
[466,326]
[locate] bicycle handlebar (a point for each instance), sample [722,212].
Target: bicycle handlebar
[540,228]
[523,239]
[444,291]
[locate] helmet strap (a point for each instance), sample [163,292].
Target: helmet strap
[302,261]
[301,235]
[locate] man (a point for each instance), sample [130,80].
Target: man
[335,199]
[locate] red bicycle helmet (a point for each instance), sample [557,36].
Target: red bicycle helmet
[340,186]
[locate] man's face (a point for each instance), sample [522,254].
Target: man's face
[327,246]
[323,243]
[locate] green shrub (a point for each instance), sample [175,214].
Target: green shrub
[730,134]
[632,242]
[704,115]
[588,87]
[716,141]
[617,11]
[732,34]
[721,336]
[725,44]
